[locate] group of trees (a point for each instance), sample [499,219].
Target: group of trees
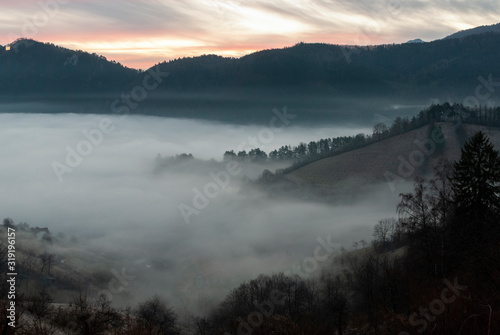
[451,226]
[92,316]
[280,304]
[482,115]
[358,293]
[453,219]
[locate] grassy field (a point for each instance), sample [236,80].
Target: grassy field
[399,156]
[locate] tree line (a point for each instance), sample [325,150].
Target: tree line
[305,153]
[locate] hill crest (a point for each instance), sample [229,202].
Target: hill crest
[494,28]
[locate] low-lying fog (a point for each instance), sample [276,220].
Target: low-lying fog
[114,202]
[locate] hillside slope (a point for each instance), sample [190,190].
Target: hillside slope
[31,67]
[444,68]
[392,160]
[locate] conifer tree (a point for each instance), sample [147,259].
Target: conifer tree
[476,182]
[476,187]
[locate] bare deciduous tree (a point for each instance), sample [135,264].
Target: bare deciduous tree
[384,232]
[46,259]
[156,317]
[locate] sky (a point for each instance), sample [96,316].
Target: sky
[142,33]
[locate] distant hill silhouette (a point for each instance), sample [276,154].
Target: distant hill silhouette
[313,79]
[494,28]
[446,67]
[31,67]
[417,40]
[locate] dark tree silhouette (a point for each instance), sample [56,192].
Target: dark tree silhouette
[229,155]
[257,155]
[475,230]
[424,216]
[334,301]
[379,130]
[156,317]
[476,185]
[242,155]
[383,233]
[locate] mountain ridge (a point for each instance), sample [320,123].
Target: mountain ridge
[399,69]
[318,81]
[494,28]
[30,66]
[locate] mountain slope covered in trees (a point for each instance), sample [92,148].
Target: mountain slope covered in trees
[446,69]
[440,68]
[31,67]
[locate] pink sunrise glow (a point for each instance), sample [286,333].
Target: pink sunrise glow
[142,33]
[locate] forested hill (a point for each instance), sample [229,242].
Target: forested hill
[445,68]
[449,68]
[494,28]
[31,67]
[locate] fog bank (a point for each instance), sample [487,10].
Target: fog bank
[115,203]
